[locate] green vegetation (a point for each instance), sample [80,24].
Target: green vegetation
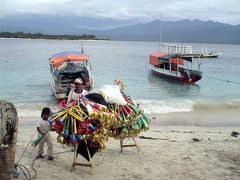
[45,36]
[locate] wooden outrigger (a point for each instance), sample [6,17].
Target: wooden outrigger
[8,138]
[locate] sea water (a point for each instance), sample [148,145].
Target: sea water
[25,75]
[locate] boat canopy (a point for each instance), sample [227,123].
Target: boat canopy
[155,57]
[58,59]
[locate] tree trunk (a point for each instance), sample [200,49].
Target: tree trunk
[8,138]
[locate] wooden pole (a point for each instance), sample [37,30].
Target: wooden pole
[129,145]
[8,138]
[90,164]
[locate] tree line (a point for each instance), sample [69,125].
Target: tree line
[46,36]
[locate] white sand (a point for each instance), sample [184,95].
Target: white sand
[172,155]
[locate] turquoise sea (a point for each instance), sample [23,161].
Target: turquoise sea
[25,77]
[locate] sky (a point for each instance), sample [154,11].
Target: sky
[225,11]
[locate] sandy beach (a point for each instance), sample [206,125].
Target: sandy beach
[167,150]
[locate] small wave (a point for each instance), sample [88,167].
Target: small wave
[34,109]
[149,106]
[164,106]
[216,105]
[169,106]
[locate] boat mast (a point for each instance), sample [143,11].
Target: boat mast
[82,47]
[160,40]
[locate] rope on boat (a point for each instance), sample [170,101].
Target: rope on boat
[228,81]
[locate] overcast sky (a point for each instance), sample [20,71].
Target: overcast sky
[226,11]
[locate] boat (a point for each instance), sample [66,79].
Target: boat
[211,54]
[177,63]
[65,67]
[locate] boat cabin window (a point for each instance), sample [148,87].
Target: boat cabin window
[82,63]
[173,66]
[164,65]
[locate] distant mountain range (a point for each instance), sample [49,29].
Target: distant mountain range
[178,31]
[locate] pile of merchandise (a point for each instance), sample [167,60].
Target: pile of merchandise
[93,122]
[130,119]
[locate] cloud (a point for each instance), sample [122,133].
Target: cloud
[145,10]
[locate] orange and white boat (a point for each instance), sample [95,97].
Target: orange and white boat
[176,62]
[65,67]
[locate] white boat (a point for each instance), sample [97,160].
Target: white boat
[65,67]
[211,54]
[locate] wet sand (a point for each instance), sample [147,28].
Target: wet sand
[204,118]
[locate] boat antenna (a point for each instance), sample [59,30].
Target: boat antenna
[160,40]
[82,47]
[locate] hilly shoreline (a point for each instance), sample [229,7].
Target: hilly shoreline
[182,31]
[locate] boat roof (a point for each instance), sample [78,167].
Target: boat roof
[166,56]
[176,45]
[70,55]
[59,58]
[174,48]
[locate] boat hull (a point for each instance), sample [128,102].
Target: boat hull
[209,56]
[213,54]
[174,75]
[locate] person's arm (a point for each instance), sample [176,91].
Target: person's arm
[69,97]
[40,132]
[51,128]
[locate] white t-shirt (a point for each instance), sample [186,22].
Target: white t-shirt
[44,126]
[75,96]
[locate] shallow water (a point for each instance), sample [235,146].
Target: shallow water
[25,77]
